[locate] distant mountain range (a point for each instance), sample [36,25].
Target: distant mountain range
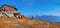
[47,18]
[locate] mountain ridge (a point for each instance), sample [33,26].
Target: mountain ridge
[47,18]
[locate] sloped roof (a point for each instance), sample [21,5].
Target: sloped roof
[7,7]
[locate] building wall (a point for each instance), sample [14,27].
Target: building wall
[1,15]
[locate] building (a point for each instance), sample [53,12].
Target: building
[8,11]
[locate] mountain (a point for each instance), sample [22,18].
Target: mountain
[47,18]
[26,22]
[17,20]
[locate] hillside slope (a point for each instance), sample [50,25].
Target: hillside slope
[26,23]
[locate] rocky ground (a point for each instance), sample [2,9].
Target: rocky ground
[26,23]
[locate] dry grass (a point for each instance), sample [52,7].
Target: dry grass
[26,23]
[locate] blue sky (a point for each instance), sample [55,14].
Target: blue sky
[35,7]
